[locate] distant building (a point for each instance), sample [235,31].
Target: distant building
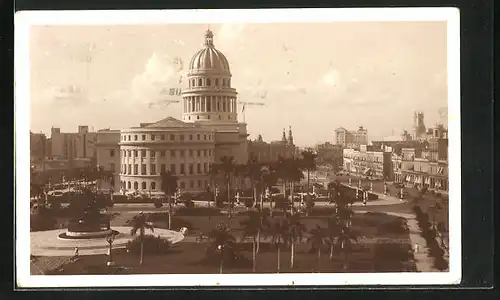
[38,146]
[270,152]
[368,162]
[73,145]
[351,138]
[419,130]
[108,154]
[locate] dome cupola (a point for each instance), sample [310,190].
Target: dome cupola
[209,96]
[209,59]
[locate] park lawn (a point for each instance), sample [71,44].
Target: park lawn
[186,257]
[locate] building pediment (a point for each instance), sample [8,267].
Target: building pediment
[169,122]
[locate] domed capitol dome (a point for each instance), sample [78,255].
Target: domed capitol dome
[209,59]
[209,96]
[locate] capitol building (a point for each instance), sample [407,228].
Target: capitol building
[208,130]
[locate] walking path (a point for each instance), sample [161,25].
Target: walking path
[423,261]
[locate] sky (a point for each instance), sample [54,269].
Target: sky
[314,77]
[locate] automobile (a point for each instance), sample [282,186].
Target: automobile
[398,185]
[56,193]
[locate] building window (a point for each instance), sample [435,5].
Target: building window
[162,168]
[152,137]
[223,82]
[198,168]
[190,137]
[199,183]
[162,153]
[172,137]
[209,152]
[182,137]
[153,153]
[190,184]
[182,153]
[136,185]
[143,185]
[172,169]
[205,137]
[216,81]
[143,169]
[200,83]
[172,153]
[143,137]
[135,137]
[198,136]
[205,152]
[209,82]
[129,185]
[129,137]
[198,153]
[162,137]
[129,169]
[136,169]
[153,185]
[112,153]
[183,185]
[182,169]
[136,153]
[190,152]
[205,170]
[143,153]
[153,169]
[112,167]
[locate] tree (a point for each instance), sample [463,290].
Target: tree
[253,171]
[222,243]
[295,232]
[169,186]
[308,162]
[227,167]
[252,227]
[344,241]
[317,239]
[269,179]
[279,236]
[140,223]
[333,231]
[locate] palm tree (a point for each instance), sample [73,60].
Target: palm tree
[227,167]
[333,231]
[221,242]
[140,223]
[254,173]
[308,162]
[269,179]
[252,227]
[344,241]
[279,236]
[295,232]
[317,239]
[169,186]
[295,174]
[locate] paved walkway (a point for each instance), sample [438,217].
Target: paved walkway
[423,261]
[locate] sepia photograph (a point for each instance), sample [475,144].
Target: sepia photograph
[238,147]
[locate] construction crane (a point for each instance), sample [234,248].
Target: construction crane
[245,103]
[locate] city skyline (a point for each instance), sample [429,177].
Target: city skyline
[360,73]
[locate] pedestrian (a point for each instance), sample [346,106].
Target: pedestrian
[416,247]
[75,256]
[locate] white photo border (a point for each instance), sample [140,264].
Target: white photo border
[25,19]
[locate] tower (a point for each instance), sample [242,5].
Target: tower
[209,96]
[283,138]
[418,125]
[290,136]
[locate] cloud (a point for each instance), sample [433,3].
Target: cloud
[161,74]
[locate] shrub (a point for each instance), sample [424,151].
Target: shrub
[152,245]
[158,203]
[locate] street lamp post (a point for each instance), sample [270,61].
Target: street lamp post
[385,188]
[401,195]
[350,182]
[220,248]
[110,239]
